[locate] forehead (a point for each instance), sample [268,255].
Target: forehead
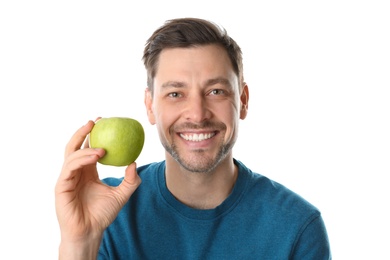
[198,61]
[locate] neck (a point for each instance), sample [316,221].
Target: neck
[201,190]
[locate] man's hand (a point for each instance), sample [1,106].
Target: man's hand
[85,206]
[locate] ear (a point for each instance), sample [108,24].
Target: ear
[148,100]
[244,98]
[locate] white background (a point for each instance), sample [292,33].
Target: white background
[319,112]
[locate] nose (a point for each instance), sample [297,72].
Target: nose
[197,109]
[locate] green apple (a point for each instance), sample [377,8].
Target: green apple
[121,137]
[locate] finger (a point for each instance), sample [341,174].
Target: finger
[131,175]
[86,143]
[71,172]
[79,160]
[130,182]
[94,153]
[78,138]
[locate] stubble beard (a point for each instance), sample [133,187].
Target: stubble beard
[199,163]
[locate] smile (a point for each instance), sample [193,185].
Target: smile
[197,137]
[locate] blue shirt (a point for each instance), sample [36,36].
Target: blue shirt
[260,219]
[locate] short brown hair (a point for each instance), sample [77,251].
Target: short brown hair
[188,32]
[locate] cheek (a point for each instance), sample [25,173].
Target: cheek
[160,114]
[164,118]
[228,112]
[164,124]
[230,116]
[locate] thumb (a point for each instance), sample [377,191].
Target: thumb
[130,182]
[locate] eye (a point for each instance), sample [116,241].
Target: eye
[217,92]
[174,94]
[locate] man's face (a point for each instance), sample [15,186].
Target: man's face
[196,105]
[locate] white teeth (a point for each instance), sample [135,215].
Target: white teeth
[197,137]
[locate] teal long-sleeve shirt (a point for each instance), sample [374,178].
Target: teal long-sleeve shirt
[261,219]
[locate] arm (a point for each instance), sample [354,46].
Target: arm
[85,206]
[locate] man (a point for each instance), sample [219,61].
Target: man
[200,202]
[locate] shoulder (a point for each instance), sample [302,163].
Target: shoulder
[286,212]
[274,195]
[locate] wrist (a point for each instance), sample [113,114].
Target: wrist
[83,250]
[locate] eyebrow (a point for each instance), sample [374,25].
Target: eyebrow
[174,84]
[210,82]
[219,80]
